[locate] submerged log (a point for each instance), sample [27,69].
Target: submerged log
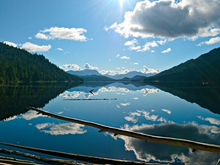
[195,146]
[69,156]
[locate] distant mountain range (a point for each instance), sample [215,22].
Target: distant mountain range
[204,69]
[87,74]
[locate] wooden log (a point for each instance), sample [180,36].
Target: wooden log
[38,158]
[15,161]
[71,156]
[91,99]
[195,146]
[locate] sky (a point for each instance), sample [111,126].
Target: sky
[112,36]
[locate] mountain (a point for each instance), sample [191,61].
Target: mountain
[86,72]
[19,65]
[89,72]
[97,78]
[205,68]
[130,74]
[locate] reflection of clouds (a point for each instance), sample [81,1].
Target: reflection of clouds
[117,106]
[147,91]
[161,119]
[171,153]
[210,120]
[135,98]
[70,95]
[61,129]
[11,118]
[166,110]
[124,104]
[125,90]
[132,117]
[114,89]
[31,115]
[147,115]
[88,95]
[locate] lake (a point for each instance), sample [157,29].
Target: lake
[140,108]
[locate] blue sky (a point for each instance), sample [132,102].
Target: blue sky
[112,36]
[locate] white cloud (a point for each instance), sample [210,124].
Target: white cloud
[162,42]
[70,66]
[61,129]
[132,44]
[76,34]
[166,51]
[118,55]
[152,51]
[34,48]
[60,49]
[125,57]
[117,68]
[171,19]
[10,43]
[87,66]
[149,70]
[147,46]
[135,63]
[213,41]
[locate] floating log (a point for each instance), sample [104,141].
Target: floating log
[92,99]
[38,158]
[15,161]
[69,156]
[149,138]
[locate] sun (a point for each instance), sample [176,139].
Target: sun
[121,2]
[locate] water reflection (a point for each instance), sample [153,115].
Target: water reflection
[15,98]
[61,129]
[145,109]
[169,153]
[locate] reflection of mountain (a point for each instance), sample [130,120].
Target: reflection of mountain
[127,87]
[15,98]
[204,95]
[170,153]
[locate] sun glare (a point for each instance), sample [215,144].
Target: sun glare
[121,2]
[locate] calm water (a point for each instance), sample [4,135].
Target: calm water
[144,109]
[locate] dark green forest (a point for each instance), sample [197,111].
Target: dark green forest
[19,65]
[205,68]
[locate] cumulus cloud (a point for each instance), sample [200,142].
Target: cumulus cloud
[76,34]
[166,51]
[125,57]
[10,43]
[132,44]
[87,66]
[211,41]
[171,19]
[147,46]
[162,42]
[70,66]
[135,63]
[149,70]
[34,48]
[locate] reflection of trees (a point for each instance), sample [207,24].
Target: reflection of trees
[15,98]
[169,153]
[207,96]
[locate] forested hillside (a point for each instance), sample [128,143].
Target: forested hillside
[19,65]
[205,68]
